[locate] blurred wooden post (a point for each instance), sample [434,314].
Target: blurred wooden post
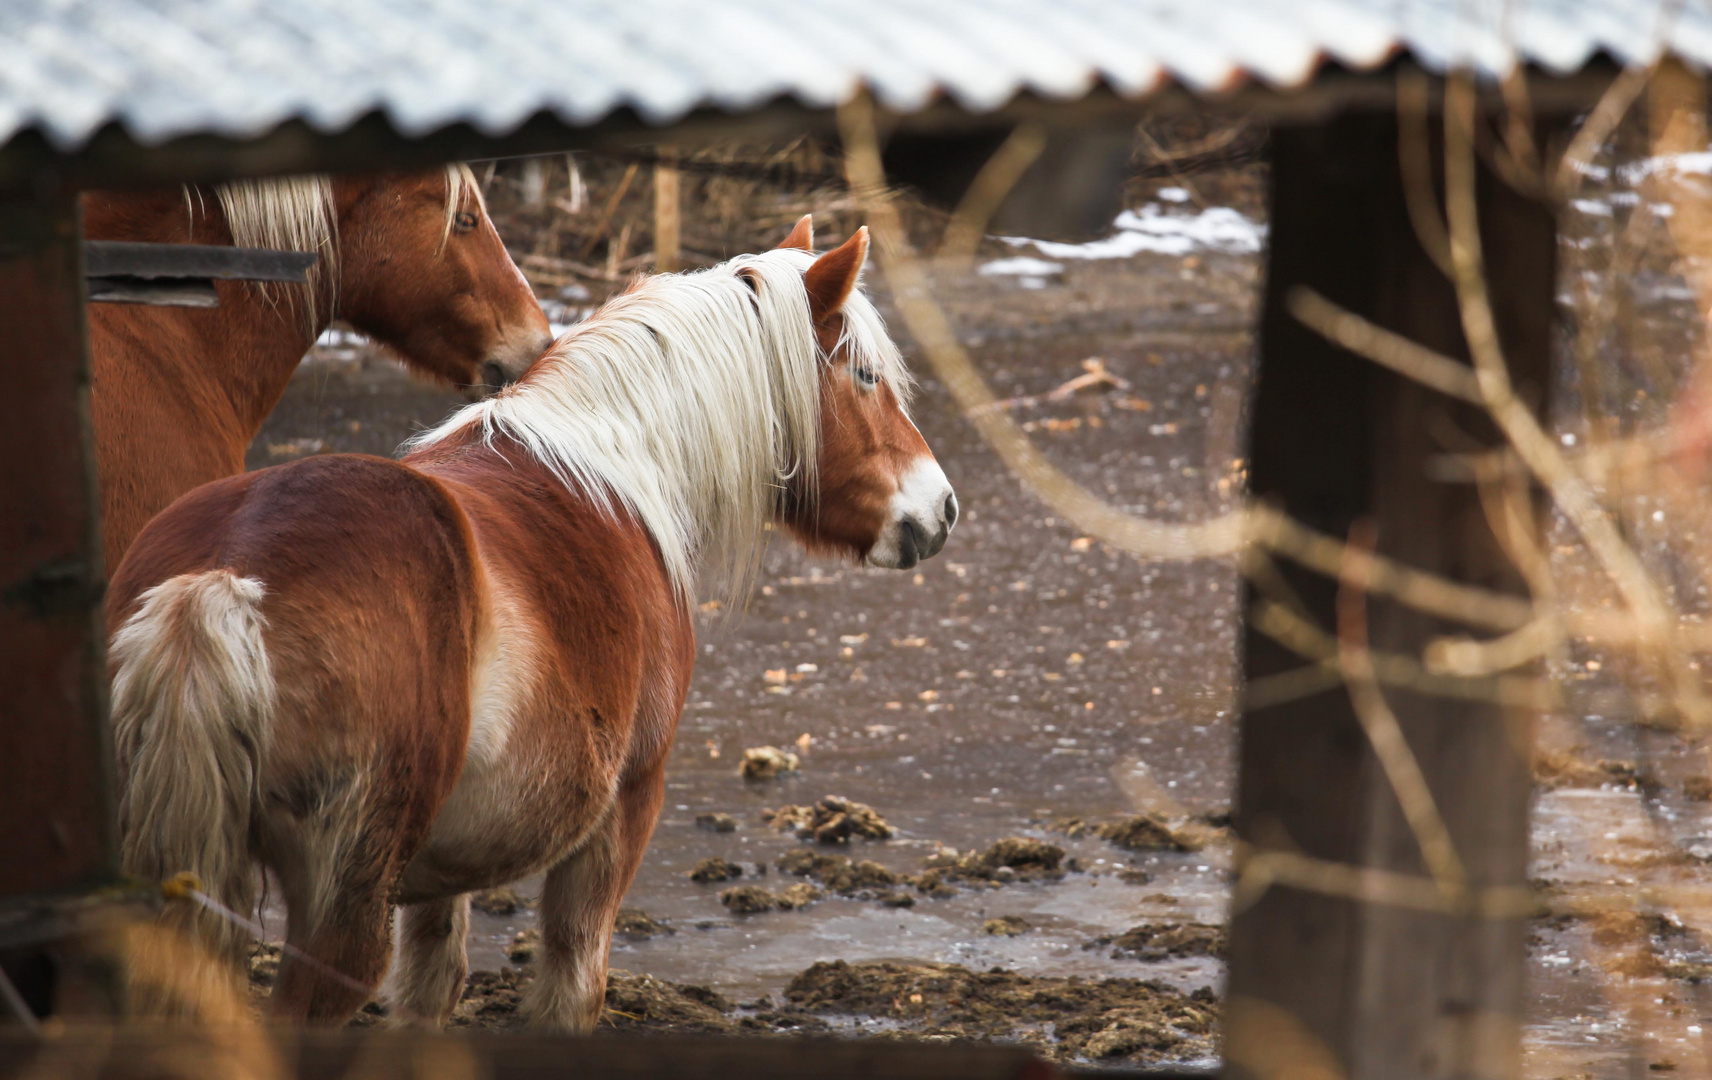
[535,183]
[1384,991]
[56,805]
[666,213]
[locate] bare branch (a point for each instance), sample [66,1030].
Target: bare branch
[1531,443]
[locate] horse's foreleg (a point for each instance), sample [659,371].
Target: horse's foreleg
[432,962]
[579,903]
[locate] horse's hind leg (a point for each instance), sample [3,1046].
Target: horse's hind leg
[432,961]
[350,946]
[579,903]
[337,881]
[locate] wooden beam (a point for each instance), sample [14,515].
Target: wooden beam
[1387,992]
[156,292]
[112,158]
[138,1053]
[56,789]
[667,211]
[182,275]
[126,258]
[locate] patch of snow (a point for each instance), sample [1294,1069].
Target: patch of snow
[1151,229]
[1699,164]
[1172,194]
[1021,266]
[1591,207]
[332,338]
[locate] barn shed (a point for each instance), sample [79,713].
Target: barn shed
[1386,981]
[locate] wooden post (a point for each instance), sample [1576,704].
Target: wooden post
[1379,991]
[56,790]
[666,214]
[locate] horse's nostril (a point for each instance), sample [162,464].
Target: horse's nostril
[912,541]
[951,510]
[938,544]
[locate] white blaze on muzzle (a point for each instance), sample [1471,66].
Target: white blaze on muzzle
[922,515]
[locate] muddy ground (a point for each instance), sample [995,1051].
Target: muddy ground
[1023,680]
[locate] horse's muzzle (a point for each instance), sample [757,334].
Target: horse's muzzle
[923,513]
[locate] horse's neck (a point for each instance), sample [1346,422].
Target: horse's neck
[259,346]
[242,354]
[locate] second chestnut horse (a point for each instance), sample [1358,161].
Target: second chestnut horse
[396,682]
[410,259]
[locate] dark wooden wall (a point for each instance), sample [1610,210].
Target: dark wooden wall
[55,777]
[1388,992]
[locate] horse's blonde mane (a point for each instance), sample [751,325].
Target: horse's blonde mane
[689,401]
[298,213]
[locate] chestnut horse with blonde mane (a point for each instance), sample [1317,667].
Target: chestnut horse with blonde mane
[411,259]
[396,682]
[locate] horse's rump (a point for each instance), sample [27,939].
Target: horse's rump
[350,583]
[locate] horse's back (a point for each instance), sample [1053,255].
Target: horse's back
[365,530]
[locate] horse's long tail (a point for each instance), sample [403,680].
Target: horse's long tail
[193,694]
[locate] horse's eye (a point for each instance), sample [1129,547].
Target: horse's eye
[465,221]
[867,376]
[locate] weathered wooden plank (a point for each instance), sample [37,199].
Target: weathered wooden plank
[129,259]
[159,292]
[55,756]
[113,158]
[131,1054]
[1387,992]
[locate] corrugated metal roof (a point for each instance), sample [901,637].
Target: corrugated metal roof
[164,68]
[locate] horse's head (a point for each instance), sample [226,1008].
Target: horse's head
[423,271]
[878,493]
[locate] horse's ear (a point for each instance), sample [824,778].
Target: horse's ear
[802,234]
[833,275]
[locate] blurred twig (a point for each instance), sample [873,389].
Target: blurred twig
[1515,420]
[1382,346]
[1600,123]
[1295,632]
[1259,870]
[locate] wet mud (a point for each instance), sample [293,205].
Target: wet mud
[1108,1021]
[832,820]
